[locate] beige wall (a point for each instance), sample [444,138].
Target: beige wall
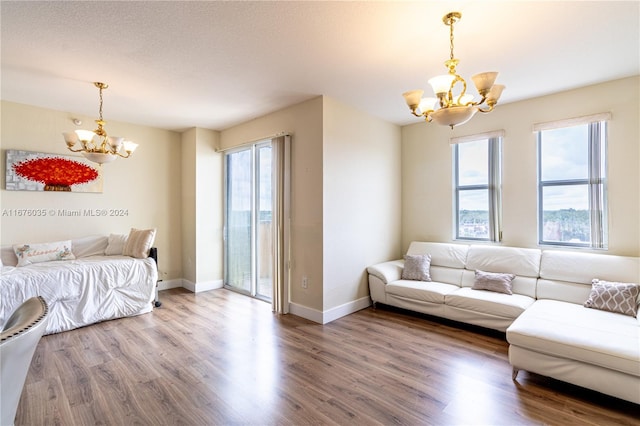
[202,212]
[304,123]
[188,205]
[146,185]
[361,192]
[345,200]
[427,166]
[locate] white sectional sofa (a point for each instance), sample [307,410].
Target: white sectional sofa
[549,330]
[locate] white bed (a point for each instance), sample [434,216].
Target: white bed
[82,291]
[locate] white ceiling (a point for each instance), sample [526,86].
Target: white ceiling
[176,65]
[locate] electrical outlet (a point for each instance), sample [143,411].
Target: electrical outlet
[305,282]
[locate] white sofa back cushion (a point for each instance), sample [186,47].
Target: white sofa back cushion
[567,276]
[442,254]
[522,262]
[447,260]
[519,261]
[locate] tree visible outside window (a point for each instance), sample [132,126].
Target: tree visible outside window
[477,188]
[572,183]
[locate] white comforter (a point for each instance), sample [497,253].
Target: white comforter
[82,291]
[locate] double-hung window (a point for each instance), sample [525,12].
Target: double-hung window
[572,182]
[477,186]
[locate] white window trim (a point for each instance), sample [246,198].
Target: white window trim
[597,183]
[570,122]
[493,186]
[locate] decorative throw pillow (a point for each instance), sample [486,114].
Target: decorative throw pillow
[28,254]
[416,267]
[613,297]
[492,281]
[139,242]
[115,244]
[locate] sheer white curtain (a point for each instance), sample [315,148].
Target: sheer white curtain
[281,218]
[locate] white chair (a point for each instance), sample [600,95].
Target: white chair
[18,340]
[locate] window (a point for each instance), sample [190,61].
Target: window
[572,182]
[477,187]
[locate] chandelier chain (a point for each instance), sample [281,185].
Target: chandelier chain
[100,87]
[451,38]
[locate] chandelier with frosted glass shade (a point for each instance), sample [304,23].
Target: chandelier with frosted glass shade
[96,145]
[453,105]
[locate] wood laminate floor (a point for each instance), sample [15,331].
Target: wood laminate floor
[219,358]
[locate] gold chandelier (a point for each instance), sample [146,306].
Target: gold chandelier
[454,109]
[96,145]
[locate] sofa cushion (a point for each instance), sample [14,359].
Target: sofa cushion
[519,261]
[493,281]
[442,254]
[583,267]
[571,331]
[567,275]
[613,297]
[416,267]
[432,291]
[489,302]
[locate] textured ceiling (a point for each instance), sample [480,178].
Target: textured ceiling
[176,65]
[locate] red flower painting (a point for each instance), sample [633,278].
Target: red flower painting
[57,174]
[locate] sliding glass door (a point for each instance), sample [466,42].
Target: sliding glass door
[248,221]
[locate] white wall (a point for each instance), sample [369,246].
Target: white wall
[146,185]
[361,193]
[427,166]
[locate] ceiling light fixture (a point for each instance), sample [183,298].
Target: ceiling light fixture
[96,145]
[454,109]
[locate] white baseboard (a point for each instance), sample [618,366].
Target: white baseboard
[305,312]
[331,314]
[346,309]
[209,285]
[321,317]
[203,286]
[167,284]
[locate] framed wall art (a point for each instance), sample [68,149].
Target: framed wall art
[38,171]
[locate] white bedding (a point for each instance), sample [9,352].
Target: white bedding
[82,291]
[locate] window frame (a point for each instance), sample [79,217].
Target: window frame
[596,180]
[493,186]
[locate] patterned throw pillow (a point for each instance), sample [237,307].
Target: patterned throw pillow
[492,281]
[416,267]
[28,254]
[613,297]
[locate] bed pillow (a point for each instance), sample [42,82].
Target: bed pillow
[115,244]
[28,254]
[416,267]
[613,297]
[492,281]
[89,246]
[139,242]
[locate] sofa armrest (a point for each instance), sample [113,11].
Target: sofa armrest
[388,272]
